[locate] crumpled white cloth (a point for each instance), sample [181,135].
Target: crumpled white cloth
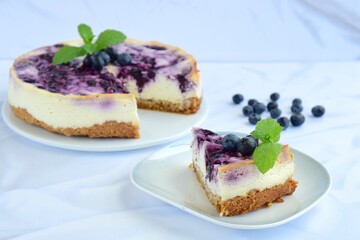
[49,193]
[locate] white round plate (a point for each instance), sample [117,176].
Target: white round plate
[155,128]
[178,186]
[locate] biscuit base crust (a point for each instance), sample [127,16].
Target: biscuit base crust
[254,199]
[108,129]
[189,106]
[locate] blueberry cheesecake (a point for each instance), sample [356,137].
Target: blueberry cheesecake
[238,178]
[97,92]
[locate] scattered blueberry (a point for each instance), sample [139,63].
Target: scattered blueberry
[237,98]
[230,143]
[247,145]
[297,108]
[252,102]
[254,118]
[275,113]
[318,111]
[296,101]
[284,122]
[297,119]
[259,108]
[275,96]
[247,110]
[123,59]
[271,105]
[256,108]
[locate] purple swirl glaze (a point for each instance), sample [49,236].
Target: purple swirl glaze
[74,78]
[215,155]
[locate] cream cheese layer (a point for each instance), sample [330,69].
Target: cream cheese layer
[71,111]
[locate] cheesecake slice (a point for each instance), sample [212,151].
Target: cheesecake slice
[75,100]
[232,182]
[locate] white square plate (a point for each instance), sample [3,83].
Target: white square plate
[166,175]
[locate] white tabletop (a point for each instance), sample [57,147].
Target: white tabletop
[50,193]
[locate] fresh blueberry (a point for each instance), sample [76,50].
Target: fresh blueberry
[256,140]
[87,61]
[96,63]
[252,102]
[247,146]
[104,56]
[275,113]
[297,119]
[112,53]
[254,118]
[297,108]
[230,143]
[271,105]
[318,111]
[124,59]
[275,96]
[259,108]
[284,122]
[247,110]
[296,101]
[97,60]
[237,98]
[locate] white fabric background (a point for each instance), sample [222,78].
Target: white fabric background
[306,49]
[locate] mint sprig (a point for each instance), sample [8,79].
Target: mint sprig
[265,155]
[106,38]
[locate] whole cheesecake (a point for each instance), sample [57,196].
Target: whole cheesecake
[75,100]
[232,182]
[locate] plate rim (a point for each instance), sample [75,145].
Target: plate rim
[227,224]
[6,111]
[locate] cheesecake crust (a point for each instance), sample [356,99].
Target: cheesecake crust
[189,106]
[108,129]
[254,199]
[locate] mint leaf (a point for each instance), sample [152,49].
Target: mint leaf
[106,38]
[68,53]
[109,37]
[90,48]
[265,156]
[85,33]
[267,130]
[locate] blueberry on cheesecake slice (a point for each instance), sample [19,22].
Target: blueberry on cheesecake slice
[243,174]
[86,88]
